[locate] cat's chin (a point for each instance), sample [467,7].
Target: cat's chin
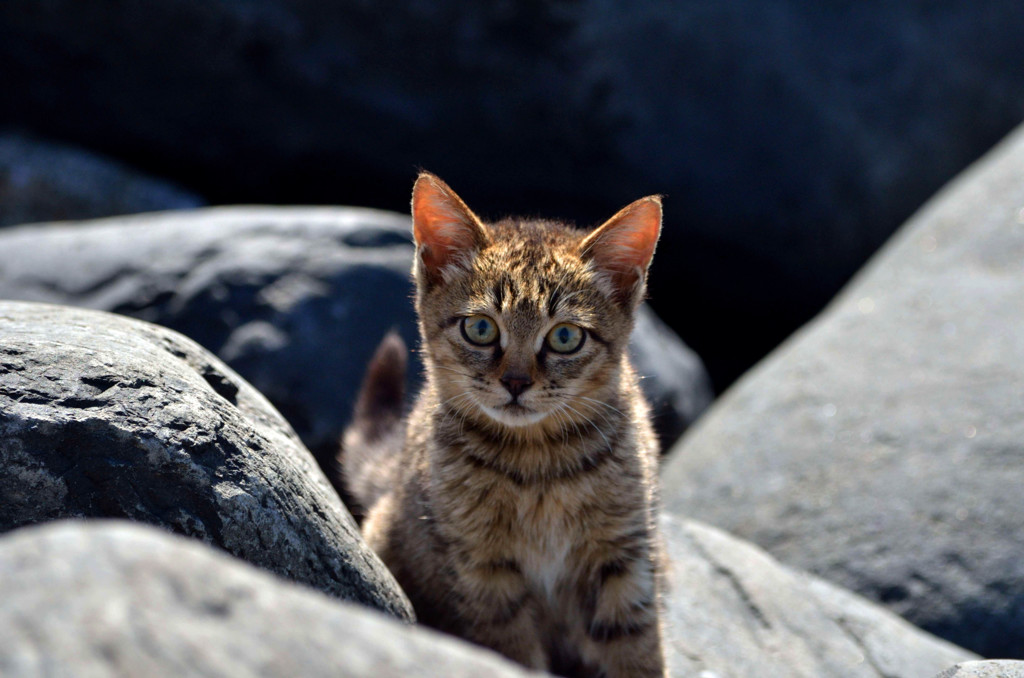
[514,417]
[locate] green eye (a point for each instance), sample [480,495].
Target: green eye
[479,330]
[566,338]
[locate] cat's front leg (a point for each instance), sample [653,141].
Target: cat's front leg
[499,612]
[623,634]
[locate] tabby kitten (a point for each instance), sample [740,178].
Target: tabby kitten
[516,505]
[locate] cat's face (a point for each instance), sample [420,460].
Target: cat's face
[525,323]
[524,334]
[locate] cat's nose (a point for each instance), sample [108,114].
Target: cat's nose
[516,383]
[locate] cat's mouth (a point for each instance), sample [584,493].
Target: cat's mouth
[514,414]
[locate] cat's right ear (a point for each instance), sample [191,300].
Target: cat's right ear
[621,249]
[446,231]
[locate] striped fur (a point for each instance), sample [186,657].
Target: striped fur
[521,518]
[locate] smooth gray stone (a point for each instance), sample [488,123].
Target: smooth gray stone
[733,611]
[110,598]
[882,447]
[105,416]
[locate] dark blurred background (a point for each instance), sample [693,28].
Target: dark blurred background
[790,138]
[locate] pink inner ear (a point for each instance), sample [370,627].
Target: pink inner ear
[636,233]
[442,224]
[624,245]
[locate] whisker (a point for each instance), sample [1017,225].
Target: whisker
[465,374]
[456,407]
[598,412]
[596,427]
[557,413]
[445,402]
[462,410]
[569,407]
[601,402]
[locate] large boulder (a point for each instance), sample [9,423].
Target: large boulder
[45,181]
[294,299]
[734,612]
[105,416]
[791,138]
[882,447]
[109,598]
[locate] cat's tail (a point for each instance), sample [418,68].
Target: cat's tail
[371,445]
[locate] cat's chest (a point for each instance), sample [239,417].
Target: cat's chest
[548,528]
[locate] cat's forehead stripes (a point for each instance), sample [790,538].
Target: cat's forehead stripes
[531,266]
[554,296]
[500,291]
[529,275]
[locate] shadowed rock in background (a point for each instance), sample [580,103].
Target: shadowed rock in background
[44,181]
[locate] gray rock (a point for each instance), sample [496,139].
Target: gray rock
[294,299]
[109,598]
[985,669]
[735,612]
[791,141]
[102,415]
[882,447]
[45,181]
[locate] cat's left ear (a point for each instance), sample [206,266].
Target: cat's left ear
[446,231]
[623,246]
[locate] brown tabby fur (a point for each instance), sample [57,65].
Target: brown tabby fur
[534,538]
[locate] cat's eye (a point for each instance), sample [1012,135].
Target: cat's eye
[566,338]
[479,330]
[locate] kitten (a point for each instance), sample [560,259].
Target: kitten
[516,506]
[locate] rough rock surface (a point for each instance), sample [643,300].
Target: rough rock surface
[985,669]
[109,598]
[883,446]
[294,299]
[105,416]
[791,138]
[45,181]
[735,612]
